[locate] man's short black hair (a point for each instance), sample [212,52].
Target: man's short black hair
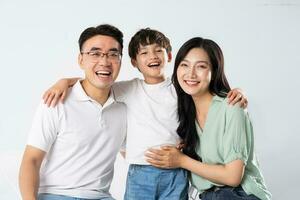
[103,29]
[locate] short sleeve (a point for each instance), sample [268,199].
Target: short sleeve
[44,128]
[123,145]
[123,89]
[238,136]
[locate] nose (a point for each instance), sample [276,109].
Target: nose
[192,72]
[103,61]
[153,55]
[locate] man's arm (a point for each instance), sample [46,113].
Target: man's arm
[58,91]
[29,172]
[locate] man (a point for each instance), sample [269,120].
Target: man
[72,147]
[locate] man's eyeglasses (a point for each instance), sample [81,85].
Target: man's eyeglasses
[95,56]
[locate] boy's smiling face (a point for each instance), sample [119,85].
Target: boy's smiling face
[151,60]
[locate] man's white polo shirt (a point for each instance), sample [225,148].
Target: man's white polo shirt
[81,139]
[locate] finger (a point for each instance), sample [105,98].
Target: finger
[157,152]
[155,156]
[243,105]
[156,163]
[229,94]
[232,97]
[167,147]
[45,95]
[180,148]
[49,99]
[246,103]
[181,145]
[55,100]
[62,97]
[236,99]
[242,102]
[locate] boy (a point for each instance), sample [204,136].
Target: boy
[152,118]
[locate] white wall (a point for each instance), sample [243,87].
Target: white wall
[260,39]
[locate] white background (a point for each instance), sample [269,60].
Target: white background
[260,40]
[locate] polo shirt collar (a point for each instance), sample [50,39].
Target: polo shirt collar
[80,95]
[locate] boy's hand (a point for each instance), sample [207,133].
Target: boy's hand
[236,96]
[56,93]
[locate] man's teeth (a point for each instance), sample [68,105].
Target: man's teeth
[105,73]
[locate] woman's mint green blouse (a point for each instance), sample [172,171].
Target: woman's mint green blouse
[228,136]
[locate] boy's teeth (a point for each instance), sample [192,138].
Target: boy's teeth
[153,64]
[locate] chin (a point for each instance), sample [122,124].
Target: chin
[104,85]
[189,92]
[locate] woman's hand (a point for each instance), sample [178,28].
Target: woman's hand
[167,157]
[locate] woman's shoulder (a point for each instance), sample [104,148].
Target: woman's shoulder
[230,109]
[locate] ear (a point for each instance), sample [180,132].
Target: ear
[80,60]
[169,56]
[133,62]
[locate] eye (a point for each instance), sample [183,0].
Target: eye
[143,52]
[183,65]
[95,54]
[159,50]
[113,54]
[202,66]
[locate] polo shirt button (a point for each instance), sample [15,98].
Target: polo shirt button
[102,123]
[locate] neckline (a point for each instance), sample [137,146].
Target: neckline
[157,85]
[198,127]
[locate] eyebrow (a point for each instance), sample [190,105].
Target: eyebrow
[99,49]
[142,48]
[199,61]
[95,49]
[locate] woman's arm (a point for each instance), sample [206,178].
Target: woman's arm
[229,174]
[58,91]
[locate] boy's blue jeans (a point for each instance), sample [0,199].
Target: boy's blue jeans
[145,182]
[62,197]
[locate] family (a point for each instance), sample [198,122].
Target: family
[187,130]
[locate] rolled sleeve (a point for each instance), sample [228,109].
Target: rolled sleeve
[237,136]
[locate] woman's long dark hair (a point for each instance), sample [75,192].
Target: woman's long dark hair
[186,107]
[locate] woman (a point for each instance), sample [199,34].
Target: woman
[218,138]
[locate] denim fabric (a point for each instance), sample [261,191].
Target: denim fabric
[226,193]
[62,197]
[150,183]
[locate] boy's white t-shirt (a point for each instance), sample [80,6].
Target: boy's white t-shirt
[82,139]
[152,118]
